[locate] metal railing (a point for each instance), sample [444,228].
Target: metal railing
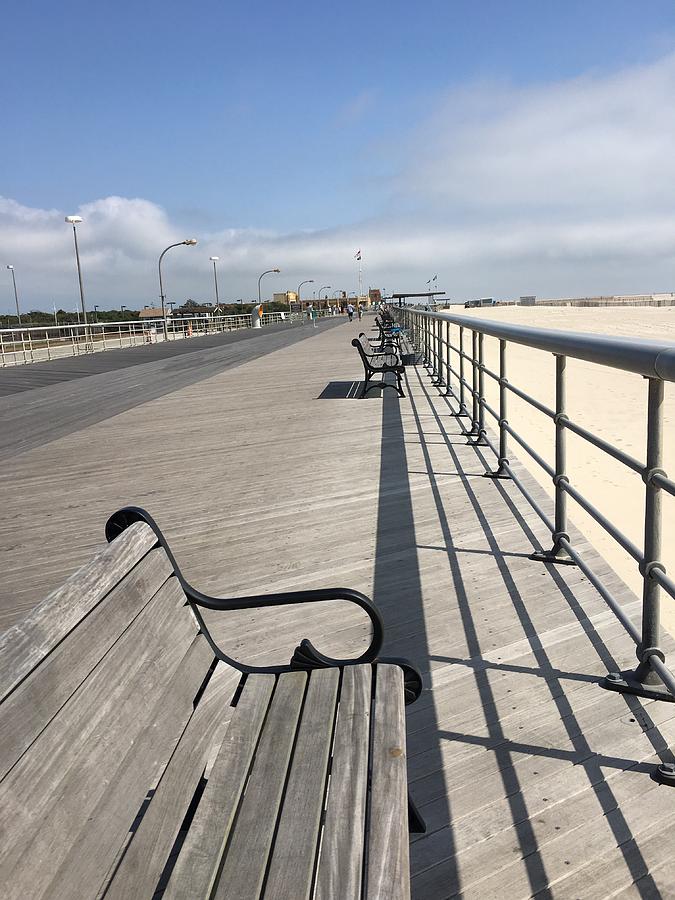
[19,346]
[453,348]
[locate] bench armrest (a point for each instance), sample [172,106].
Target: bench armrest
[305,656]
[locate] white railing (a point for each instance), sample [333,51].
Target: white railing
[20,346]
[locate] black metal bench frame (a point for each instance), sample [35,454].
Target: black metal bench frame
[305,657]
[374,363]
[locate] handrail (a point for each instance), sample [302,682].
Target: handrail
[655,360]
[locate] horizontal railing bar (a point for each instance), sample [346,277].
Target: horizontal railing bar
[533,453]
[530,499]
[602,444]
[609,599]
[663,672]
[602,520]
[486,405]
[664,482]
[664,580]
[655,359]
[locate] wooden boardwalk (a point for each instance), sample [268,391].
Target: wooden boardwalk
[533,780]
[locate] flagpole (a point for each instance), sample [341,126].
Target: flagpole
[360,289]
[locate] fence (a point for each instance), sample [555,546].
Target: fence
[19,346]
[453,348]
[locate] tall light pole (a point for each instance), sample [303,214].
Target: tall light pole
[269,271]
[188,242]
[75,221]
[326,287]
[309,281]
[16,296]
[96,313]
[214,260]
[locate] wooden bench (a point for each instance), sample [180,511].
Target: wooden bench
[378,363]
[137,759]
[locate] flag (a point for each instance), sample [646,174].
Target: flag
[357,255]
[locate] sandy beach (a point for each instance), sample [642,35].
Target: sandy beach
[606,401]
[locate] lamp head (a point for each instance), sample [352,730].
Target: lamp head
[10,267]
[276,270]
[190,242]
[74,220]
[214,258]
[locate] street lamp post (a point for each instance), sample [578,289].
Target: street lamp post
[75,221]
[258,321]
[96,313]
[214,260]
[326,287]
[188,242]
[261,278]
[16,296]
[309,281]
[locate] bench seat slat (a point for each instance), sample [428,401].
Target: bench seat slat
[139,871]
[25,644]
[388,875]
[340,866]
[246,860]
[197,865]
[39,697]
[106,829]
[295,846]
[55,785]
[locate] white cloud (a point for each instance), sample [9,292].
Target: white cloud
[559,189]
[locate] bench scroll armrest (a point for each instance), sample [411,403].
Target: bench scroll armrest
[305,656]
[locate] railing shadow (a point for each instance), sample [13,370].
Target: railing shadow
[496,740]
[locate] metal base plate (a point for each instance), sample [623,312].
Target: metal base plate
[495,475]
[664,774]
[552,558]
[626,683]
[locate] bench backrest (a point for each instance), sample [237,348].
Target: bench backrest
[98,684]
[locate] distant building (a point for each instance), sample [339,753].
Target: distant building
[153,312]
[374,296]
[527,301]
[287,297]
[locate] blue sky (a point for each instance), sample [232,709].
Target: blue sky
[247,123]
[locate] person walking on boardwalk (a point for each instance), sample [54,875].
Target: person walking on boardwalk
[359,311]
[350,312]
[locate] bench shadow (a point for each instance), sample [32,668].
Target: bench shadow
[346,390]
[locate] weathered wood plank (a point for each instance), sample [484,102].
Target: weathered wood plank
[295,845]
[24,645]
[106,829]
[246,859]
[340,866]
[387,876]
[33,704]
[138,873]
[54,787]
[198,863]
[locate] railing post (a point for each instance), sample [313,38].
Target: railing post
[501,470]
[651,591]
[462,404]
[643,680]
[474,383]
[438,368]
[557,553]
[448,387]
[478,423]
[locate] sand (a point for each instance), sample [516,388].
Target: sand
[612,404]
